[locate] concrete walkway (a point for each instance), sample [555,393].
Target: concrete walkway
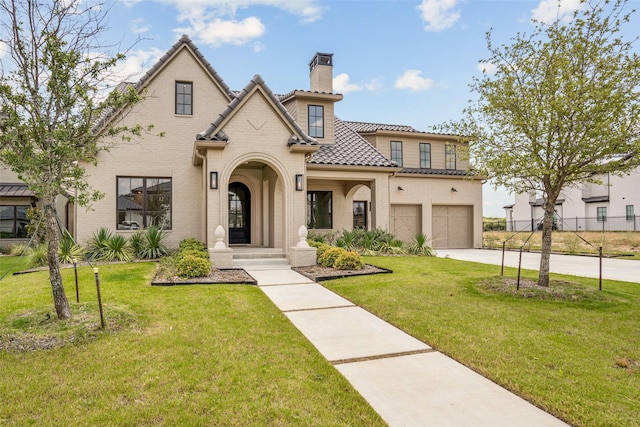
[402,378]
[585,266]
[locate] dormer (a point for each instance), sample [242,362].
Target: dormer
[313,109]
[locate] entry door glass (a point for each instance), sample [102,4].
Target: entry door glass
[239,215]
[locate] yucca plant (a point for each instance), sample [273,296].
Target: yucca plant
[347,240]
[69,249]
[97,246]
[117,249]
[136,241]
[420,246]
[153,243]
[38,257]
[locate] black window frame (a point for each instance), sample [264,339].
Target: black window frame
[16,222]
[449,156]
[363,204]
[601,213]
[423,161]
[315,131]
[395,147]
[180,85]
[629,212]
[312,200]
[120,225]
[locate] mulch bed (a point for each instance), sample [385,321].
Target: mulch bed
[235,276]
[318,273]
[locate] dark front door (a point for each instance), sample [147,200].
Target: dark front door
[239,214]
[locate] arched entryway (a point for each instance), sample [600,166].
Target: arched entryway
[239,214]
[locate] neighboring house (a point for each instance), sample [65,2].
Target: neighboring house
[261,165]
[613,205]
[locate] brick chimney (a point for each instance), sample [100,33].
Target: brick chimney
[321,73]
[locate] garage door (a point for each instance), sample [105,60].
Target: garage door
[452,227]
[406,221]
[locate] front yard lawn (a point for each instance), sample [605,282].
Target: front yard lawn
[579,359]
[183,355]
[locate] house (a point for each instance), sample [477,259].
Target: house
[610,205]
[261,165]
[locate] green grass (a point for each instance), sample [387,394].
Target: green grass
[580,360]
[183,355]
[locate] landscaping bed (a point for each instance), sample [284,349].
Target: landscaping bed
[318,273]
[235,276]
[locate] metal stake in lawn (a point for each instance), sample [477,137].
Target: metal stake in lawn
[95,272]
[75,270]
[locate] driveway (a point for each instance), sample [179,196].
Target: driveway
[585,266]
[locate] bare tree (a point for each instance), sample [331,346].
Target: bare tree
[53,105]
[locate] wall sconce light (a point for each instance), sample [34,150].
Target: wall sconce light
[400,188]
[453,190]
[299,183]
[213,180]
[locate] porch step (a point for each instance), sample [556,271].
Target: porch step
[267,258]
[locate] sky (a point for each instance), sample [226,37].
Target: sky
[406,62]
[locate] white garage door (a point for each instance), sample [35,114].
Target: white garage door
[406,221]
[452,227]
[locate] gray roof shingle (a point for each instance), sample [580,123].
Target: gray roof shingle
[364,127]
[15,190]
[350,149]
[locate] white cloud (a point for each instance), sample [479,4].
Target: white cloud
[136,64]
[342,84]
[549,11]
[438,15]
[215,22]
[487,67]
[412,80]
[219,32]
[4,49]
[138,26]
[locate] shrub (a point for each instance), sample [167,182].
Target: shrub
[349,261]
[420,246]
[191,243]
[38,257]
[19,250]
[153,246]
[329,256]
[117,248]
[97,245]
[136,241]
[69,249]
[190,265]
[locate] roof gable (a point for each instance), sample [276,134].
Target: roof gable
[215,131]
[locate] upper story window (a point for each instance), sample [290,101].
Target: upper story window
[184,98]
[449,156]
[316,121]
[143,202]
[425,155]
[396,152]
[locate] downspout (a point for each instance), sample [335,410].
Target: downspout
[205,205]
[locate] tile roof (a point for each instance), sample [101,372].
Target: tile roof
[364,127]
[15,190]
[350,149]
[257,80]
[450,172]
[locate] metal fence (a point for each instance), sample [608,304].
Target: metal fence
[610,223]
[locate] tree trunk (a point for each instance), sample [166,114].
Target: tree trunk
[547,228]
[60,300]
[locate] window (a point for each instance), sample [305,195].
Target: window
[360,215]
[13,222]
[449,156]
[319,206]
[425,155]
[602,214]
[630,214]
[316,121]
[184,98]
[396,152]
[143,202]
